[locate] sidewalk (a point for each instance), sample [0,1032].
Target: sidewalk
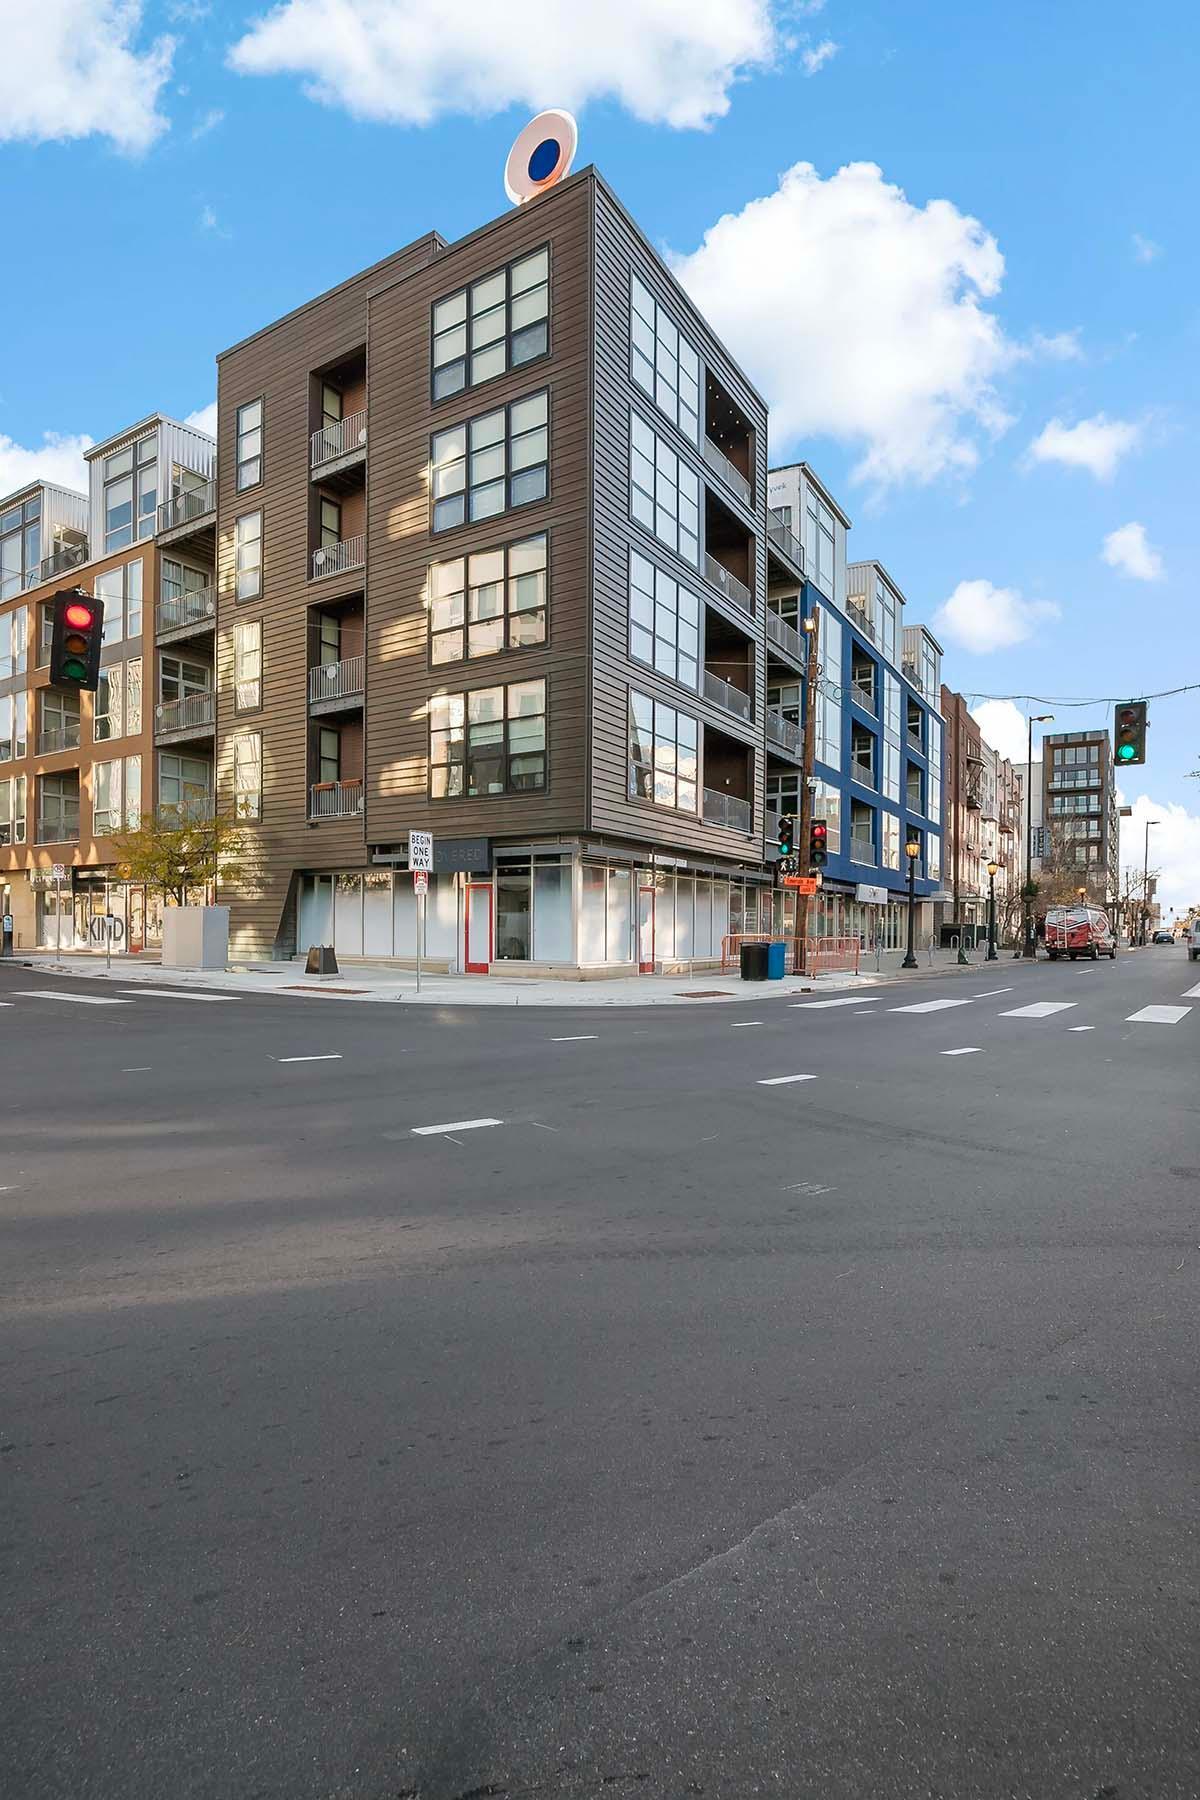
[384,982]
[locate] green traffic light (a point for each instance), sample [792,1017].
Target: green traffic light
[1126,752]
[74,670]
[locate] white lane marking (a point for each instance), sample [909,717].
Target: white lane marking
[923,1006]
[745,1024]
[455,1125]
[810,1188]
[782,1080]
[970,1050]
[1158,1015]
[1081,1028]
[328,1056]
[860,1000]
[76,999]
[585,1037]
[991,993]
[1193,993]
[5,1002]
[138,1069]
[1041,1009]
[174,994]
[867,1012]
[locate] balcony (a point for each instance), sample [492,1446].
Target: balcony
[335,684]
[336,799]
[783,733]
[723,693]
[782,539]
[728,810]
[195,715]
[733,478]
[67,556]
[58,737]
[188,506]
[734,590]
[861,619]
[787,639]
[862,850]
[181,615]
[339,446]
[336,559]
[63,828]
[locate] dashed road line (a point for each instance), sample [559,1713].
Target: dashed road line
[928,1006]
[991,993]
[458,1125]
[968,1050]
[1158,1015]
[1081,1028]
[745,1024]
[1040,1009]
[584,1037]
[783,1080]
[138,1069]
[326,1056]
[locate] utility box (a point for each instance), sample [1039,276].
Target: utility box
[195,937]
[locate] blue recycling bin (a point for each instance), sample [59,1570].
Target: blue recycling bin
[776,961]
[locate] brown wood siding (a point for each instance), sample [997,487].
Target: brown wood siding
[618,250]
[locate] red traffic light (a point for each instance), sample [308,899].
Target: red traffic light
[78,616]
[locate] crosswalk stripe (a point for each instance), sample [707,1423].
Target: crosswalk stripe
[1193,993]
[813,1005]
[1158,1015]
[76,999]
[968,1050]
[454,1125]
[172,994]
[783,1080]
[924,1006]
[1041,1009]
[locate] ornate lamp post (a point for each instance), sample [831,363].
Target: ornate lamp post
[912,850]
[992,955]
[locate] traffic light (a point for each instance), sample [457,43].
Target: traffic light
[1129,733]
[787,834]
[75,644]
[818,844]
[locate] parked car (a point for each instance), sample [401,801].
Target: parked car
[1193,941]
[1079,931]
[1164,937]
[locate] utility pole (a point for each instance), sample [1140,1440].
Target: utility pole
[812,628]
[1146,882]
[1029,946]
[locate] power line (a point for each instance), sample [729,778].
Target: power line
[1097,700]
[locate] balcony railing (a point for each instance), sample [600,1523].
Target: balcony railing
[785,637]
[723,693]
[336,799]
[334,441]
[196,607]
[728,584]
[861,618]
[336,680]
[62,829]
[58,737]
[67,556]
[188,504]
[771,826]
[733,478]
[194,712]
[780,533]
[335,559]
[781,730]
[862,850]
[863,692]
[727,810]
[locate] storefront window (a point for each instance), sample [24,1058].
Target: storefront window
[514,898]
[552,911]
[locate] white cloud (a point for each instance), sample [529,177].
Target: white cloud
[980,617]
[1095,444]
[57,459]
[1060,346]
[212,118]
[1129,552]
[410,61]
[70,70]
[209,222]
[203,419]
[1006,728]
[815,58]
[1174,850]
[860,316]
[1145,250]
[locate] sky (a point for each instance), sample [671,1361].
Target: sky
[948,241]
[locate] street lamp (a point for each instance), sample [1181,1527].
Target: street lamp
[1146,881]
[993,870]
[1029,947]
[912,850]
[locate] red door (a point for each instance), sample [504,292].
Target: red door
[646,931]
[479,927]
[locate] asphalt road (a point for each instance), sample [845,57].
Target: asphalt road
[688,1431]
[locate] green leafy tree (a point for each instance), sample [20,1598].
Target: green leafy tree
[173,854]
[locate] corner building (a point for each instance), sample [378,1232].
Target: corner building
[492,560]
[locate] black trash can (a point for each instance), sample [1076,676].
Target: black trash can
[755,960]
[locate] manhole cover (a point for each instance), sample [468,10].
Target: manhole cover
[708,994]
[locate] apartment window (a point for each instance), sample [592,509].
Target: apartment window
[915,722]
[108,707]
[914,798]
[249,444]
[664,622]
[121,592]
[177,678]
[332,405]
[827,805]
[248,554]
[184,785]
[491,464]
[862,755]
[46,628]
[247,775]
[60,722]
[58,808]
[494,600]
[331,522]
[20,548]
[130,487]
[819,543]
[785,697]
[133,792]
[933,855]
[14,716]
[933,785]
[862,833]
[12,810]
[664,493]
[862,678]
[329,639]
[14,628]
[885,613]
[488,741]
[663,362]
[329,755]
[891,736]
[180,579]
[498,323]
[891,840]
[6,724]
[664,760]
[133,696]
[829,703]
[106,798]
[247,665]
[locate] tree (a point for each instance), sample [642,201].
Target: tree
[171,853]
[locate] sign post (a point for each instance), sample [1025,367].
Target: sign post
[420,861]
[57,873]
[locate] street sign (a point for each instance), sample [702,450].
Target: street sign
[420,851]
[58,872]
[803,884]
[420,882]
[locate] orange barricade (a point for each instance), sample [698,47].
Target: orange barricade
[731,947]
[827,953]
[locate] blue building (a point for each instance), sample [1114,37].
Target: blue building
[878,761]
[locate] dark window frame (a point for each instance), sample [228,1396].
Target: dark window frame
[509,791]
[469,350]
[466,660]
[240,486]
[632,765]
[508,475]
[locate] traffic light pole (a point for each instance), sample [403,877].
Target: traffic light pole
[804,833]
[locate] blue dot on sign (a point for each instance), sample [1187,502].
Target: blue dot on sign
[543,160]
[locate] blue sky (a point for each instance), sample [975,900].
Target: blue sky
[989,348]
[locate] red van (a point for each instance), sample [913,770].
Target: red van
[1079,931]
